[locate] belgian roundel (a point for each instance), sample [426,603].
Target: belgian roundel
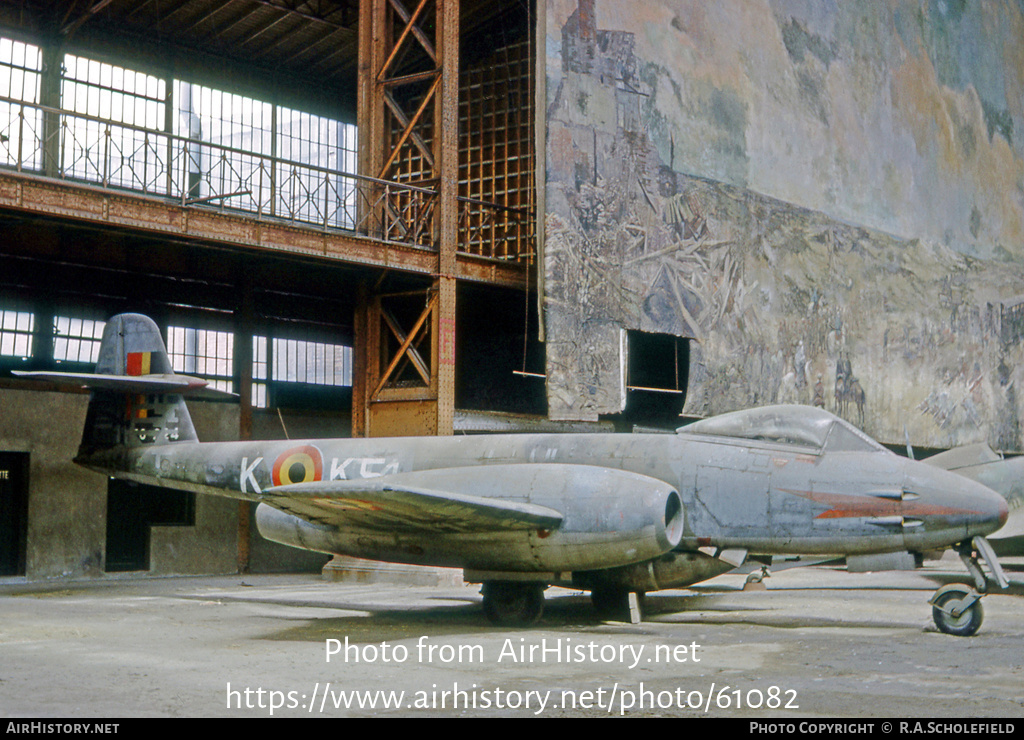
[298,465]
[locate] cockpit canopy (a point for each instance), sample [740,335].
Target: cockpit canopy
[803,426]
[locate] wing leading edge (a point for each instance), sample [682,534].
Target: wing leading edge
[410,502]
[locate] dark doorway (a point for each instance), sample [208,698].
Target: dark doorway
[13,512]
[656,378]
[132,508]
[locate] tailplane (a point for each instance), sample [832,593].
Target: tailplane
[136,398]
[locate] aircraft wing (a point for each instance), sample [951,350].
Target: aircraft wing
[425,501]
[968,456]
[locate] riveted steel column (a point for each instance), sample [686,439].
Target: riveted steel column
[370,123]
[409,133]
[50,88]
[370,107]
[446,117]
[362,351]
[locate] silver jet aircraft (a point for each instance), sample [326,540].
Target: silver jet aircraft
[615,514]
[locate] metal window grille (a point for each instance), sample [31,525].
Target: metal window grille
[76,340]
[497,169]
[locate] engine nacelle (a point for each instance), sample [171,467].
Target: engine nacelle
[288,529]
[609,518]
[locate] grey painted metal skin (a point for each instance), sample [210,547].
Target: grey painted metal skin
[601,511]
[1005,476]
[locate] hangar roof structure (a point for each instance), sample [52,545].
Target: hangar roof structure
[289,137]
[315,42]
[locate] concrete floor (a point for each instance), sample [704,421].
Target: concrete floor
[816,643]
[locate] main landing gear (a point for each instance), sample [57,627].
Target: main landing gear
[513,603]
[521,603]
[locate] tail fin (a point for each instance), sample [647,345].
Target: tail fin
[136,396]
[144,406]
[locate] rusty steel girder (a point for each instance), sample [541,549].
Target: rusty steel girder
[92,204]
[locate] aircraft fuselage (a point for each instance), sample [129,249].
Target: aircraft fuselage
[765,497]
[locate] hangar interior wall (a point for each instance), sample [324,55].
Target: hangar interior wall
[827,199]
[67,505]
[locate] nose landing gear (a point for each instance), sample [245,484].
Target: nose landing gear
[956,608]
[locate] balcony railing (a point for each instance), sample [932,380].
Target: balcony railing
[79,148]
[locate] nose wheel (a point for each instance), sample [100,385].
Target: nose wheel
[956,610]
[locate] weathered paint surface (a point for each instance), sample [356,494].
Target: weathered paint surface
[827,198]
[840,494]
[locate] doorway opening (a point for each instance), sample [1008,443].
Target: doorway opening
[132,508]
[657,372]
[14,467]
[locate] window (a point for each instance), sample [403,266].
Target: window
[208,354]
[317,196]
[231,122]
[76,340]
[298,361]
[101,152]
[318,363]
[259,372]
[21,128]
[16,329]
[129,129]
[21,66]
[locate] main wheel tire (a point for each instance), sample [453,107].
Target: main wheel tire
[963,626]
[512,603]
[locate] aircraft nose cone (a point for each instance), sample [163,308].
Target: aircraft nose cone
[993,508]
[958,503]
[1003,510]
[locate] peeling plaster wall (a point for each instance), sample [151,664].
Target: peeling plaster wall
[828,198]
